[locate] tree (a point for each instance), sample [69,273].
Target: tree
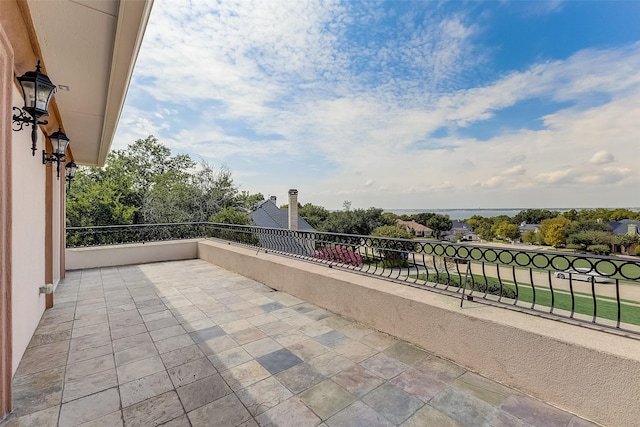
[485,231]
[145,184]
[554,231]
[439,223]
[231,215]
[135,170]
[507,231]
[533,216]
[249,202]
[315,215]
[482,226]
[356,221]
[390,217]
[581,226]
[571,215]
[530,236]
[626,240]
[588,238]
[422,217]
[91,202]
[392,231]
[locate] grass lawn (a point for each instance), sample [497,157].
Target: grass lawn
[606,306]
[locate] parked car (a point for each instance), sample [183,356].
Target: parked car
[582,274]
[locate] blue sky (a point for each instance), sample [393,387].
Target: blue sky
[402,104]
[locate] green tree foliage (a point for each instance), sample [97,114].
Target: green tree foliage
[585,239]
[533,216]
[355,221]
[420,218]
[622,213]
[390,217]
[92,202]
[482,226]
[231,215]
[554,231]
[315,215]
[531,236]
[607,214]
[249,202]
[392,231]
[626,240]
[571,215]
[439,223]
[507,231]
[145,184]
[581,226]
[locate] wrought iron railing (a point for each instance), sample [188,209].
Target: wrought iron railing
[586,289]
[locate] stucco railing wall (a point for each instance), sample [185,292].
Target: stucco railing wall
[581,370]
[128,254]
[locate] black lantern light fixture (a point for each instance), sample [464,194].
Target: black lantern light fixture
[70,172]
[37,91]
[60,142]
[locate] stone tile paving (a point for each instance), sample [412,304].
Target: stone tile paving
[190,344]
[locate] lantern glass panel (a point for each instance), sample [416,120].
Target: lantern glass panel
[29,92]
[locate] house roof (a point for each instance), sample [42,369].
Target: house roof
[459,225]
[267,214]
[414,225]
[622,226]
[528,227]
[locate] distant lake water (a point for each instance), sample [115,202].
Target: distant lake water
[460,214]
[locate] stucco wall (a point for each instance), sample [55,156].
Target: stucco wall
[587,372]
[28,236]
[139,253]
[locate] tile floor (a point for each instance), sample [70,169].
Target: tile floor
[190,344]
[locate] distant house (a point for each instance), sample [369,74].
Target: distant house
[630,227]
[415,228]
[460,231]
[625,226]
[268,214]
[524,227]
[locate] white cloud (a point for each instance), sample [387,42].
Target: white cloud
[516,170]
[601,157]
[286,68]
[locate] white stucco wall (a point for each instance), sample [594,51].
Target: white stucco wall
[28,228]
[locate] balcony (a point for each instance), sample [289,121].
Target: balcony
[214,333]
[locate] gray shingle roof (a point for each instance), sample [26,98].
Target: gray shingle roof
[267,214]
[622,226]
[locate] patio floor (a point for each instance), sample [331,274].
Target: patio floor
[190,344]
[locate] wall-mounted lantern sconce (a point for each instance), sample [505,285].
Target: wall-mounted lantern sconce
[70,172]
[59,141]
[37,91]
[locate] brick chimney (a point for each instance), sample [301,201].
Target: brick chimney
[293,209]
[273,199]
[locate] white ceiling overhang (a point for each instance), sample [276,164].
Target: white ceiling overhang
[90,47]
